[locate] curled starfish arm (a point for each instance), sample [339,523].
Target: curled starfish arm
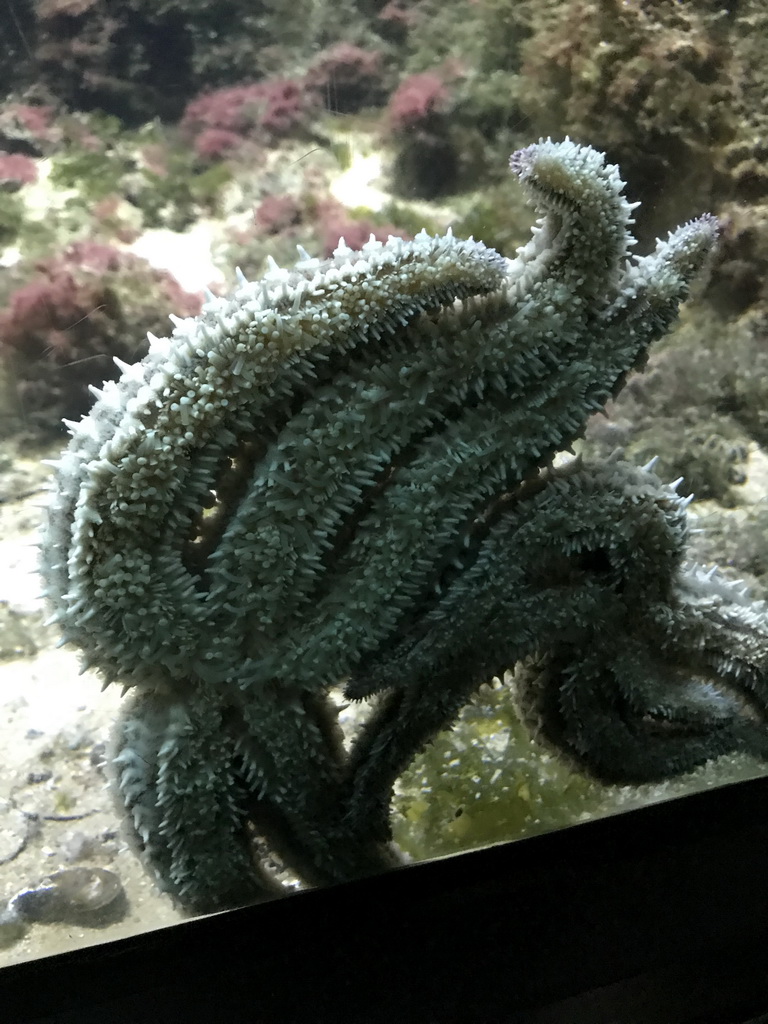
[583,237]
[648,710]
[614,668]
[682,679]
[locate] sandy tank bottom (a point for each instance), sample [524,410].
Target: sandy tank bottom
[63,861]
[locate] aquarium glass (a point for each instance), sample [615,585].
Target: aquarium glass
[412,497]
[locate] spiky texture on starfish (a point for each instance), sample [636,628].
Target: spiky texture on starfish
[273,499]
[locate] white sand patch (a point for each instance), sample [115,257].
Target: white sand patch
[42,197]
[44,696]
[357,185]
[755,490]
[42,201]
[10,256]
[187,255]
[21,584]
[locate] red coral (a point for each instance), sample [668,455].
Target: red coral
[223,109]
[276,213]
[416,101]
[37,120]
[17,169]
[393,14]
[220,121]
[216,143]
[108,213]
[91,257]
[284,105]
[62,328]
[348,78]
[46,305]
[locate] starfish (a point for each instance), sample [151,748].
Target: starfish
[272,500]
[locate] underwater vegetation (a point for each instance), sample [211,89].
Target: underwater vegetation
[221,121]
[61,331]
[343,473]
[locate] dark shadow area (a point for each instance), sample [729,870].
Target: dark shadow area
[656,916]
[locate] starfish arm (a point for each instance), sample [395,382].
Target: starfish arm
[195,779]
[291,759]
[584,230]
[177,784]
[402,723]
[678,680]
[578,704]
[126,517]
[717,616]
[650,292]
[577,580]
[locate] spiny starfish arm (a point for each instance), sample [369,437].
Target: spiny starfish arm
[403,723]
[533,546]
[683,679]
[722,631]
[177,782]
[576,578]
[584,235]
[191,777]
[668,271]
[162,433]
[682,682]
[292,758]
[576,701]
[653,286]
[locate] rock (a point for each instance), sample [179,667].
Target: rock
[12,927]
[77,845]
[85,896]
[15,829]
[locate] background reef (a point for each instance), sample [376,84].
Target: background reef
[148,148]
